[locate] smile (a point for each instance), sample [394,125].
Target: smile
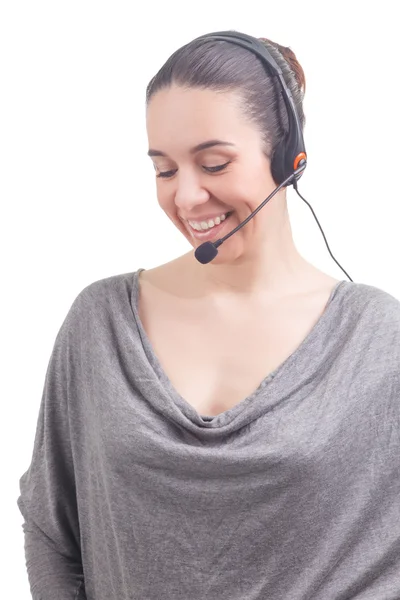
[207,232]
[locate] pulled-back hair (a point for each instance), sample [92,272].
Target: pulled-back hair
[222,66]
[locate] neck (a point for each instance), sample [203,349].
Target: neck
[276,268]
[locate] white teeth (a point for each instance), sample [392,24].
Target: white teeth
[207,224]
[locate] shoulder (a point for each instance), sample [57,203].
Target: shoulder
[379,306]
[102,290]
[99,300]
[367,323]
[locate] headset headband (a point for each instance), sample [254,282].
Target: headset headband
[290,153]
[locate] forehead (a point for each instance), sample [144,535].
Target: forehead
[193,115]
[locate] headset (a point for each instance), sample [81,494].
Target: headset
[290,158]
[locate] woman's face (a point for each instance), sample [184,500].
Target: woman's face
[199,180]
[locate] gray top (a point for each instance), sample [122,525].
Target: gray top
[292,494]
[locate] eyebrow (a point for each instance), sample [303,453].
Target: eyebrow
[203,146]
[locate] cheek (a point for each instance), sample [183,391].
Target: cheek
[168,206]
[165,199]
[240,194]
[244,181]
[252,190]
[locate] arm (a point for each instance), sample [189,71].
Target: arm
[47,498]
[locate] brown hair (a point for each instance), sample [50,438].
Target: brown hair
[291,59]
[223,66]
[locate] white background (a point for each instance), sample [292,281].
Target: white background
[77,189]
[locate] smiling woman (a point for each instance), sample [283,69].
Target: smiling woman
[214,120]
[224,173]
[221,431]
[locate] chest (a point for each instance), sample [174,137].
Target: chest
[215,361]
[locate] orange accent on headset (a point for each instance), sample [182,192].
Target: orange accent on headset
[298,158]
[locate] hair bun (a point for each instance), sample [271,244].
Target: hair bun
[292,61]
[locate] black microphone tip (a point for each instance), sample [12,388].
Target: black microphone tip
[206,253]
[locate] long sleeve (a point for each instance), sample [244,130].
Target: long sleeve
[48,500]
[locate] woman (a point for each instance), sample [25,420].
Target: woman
[226,430]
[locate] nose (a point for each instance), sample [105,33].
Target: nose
[189,192]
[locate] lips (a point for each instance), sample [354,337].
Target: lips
[208,234]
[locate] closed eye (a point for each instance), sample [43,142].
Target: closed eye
[167,174]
